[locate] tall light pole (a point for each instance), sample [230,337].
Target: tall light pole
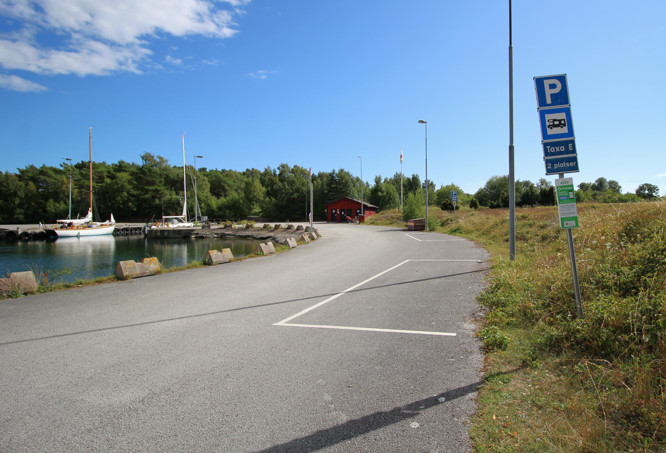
[196,201]
[512,176]
[362,184]
[69,162]
[426,169]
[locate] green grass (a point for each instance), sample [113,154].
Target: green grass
[554,382]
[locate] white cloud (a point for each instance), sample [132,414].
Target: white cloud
[16,83]
[85,37]
[174,61]
[262,74]
[661,175]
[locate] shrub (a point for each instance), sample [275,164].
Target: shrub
[493,338]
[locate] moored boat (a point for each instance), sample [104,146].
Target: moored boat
[85,226]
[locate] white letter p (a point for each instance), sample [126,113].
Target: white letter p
[551,86]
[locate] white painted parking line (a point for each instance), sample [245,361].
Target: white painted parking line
[337,295]
[431,240]
[285,322]
[371,329]
[446,261]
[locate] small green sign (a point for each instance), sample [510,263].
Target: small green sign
[566,203]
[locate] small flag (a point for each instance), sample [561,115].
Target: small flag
[400,155]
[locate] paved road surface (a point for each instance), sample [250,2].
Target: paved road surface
[361,341]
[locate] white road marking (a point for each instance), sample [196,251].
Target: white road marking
[446,261]
[431,240]
[285,322]
[337,295]
[370,329]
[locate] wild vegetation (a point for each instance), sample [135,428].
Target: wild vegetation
[141,192]
[553,381]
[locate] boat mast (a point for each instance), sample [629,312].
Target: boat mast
[90,150]
[184,183]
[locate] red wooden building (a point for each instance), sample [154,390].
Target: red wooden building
[344,209]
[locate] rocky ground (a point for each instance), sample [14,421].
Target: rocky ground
[268,232]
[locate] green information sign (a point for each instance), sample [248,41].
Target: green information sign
[566,203]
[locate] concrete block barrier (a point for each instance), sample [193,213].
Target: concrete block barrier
[266,248]
[306,238]
[133,269]
[291,242]
[214,257]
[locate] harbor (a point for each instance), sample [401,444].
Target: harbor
[66,260]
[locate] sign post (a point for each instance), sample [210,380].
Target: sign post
[454,200]
[560,156]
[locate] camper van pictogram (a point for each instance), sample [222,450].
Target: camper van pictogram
[557,122]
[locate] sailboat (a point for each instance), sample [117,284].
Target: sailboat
[85,226]
[178,221]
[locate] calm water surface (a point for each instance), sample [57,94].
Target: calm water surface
[91,257]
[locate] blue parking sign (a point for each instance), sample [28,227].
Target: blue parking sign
[552,91]
[556,123]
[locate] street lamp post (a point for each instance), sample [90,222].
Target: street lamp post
[426,170]
[196,201]
[362,184]
[69,162]
[512,175]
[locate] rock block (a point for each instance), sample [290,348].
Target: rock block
[23,281]
[306,238]
[313,235]
[291,242]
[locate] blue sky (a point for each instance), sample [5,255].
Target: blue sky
[255,83]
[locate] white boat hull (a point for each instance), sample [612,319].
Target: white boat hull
[85,231]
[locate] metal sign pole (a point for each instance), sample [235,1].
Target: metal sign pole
[512,174]
[574,269]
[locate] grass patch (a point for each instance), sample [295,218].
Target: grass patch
[554,382]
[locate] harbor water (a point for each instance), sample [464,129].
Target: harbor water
[68,260]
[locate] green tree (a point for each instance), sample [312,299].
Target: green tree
[600,185]
[411,184]
[12,195]
[647,191]
[414,206]
[383,194]
[546,193]
[527,194]
[444,197]
[495,194]
[154,197]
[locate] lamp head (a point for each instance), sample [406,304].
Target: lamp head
[423,122]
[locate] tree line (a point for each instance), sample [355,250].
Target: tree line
[146,191]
